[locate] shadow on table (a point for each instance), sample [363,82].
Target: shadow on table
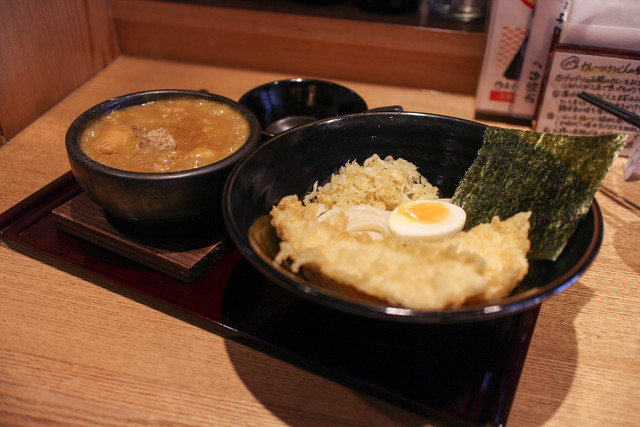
[551,363]
[301,399]
[626,241]
[626,232]
[295,396]
[453,374]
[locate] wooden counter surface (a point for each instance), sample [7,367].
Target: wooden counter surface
[73,353]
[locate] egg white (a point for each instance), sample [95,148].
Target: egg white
[362,219]
[412,229]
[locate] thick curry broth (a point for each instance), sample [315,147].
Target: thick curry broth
[166,136]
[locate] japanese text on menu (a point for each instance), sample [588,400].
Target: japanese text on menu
[614,79]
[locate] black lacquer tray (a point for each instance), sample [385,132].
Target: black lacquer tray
[454,374]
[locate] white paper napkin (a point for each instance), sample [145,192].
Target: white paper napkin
[603,23]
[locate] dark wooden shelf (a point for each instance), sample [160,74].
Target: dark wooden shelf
[344,9]
[224,33]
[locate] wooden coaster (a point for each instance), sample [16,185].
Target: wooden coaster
[185,260]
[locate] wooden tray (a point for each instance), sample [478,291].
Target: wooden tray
[183,260]
[460,374]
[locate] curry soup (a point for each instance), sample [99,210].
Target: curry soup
[166,135]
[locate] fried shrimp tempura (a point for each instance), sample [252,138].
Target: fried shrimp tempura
[483,264]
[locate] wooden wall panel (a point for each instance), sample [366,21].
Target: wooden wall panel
[301,45]
[50,47]
[47,49]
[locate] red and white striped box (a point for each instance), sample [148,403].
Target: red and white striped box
[507,38]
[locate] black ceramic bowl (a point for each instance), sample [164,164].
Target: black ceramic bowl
[284,104]
[443,148]
[154,201]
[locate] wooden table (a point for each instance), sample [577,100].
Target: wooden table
[73,353]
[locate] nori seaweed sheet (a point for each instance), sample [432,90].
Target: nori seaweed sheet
[553,176]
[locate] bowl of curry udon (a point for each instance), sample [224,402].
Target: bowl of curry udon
[157,160]
[298,162]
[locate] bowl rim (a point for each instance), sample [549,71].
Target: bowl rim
[127,100]
[467,313]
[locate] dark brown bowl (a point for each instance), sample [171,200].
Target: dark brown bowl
[154,201]
[441,147]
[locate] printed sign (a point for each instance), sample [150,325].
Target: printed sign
[614,78]
[504,51]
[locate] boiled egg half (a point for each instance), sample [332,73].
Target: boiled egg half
[427,220]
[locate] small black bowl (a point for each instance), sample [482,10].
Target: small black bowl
[284,104]
[154,202]
[388,7]
[441,147]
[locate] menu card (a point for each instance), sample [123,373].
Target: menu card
[612,75]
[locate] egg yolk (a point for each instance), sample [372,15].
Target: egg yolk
[426,220]
[431,213]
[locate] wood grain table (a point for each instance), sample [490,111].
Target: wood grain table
[73,353]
